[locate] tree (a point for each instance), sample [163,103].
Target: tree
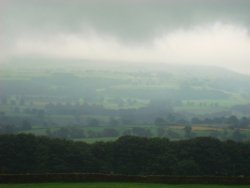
[110,133]
[4,100]
[233,121]
[187,131]
[244,122]
[93,122]
[171,118]
[113,122]
[237,136]
[26,125]
[138,131]
[93,134]
[160,122]
[127,132]
[172,134]
[76,133]
[61,133]
[8,129]
[40,113]
[128,155]
[224,134]
[187,167]
[215,134]
[161,132]
[195,120]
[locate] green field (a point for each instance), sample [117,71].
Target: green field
[92,102]
[114,185]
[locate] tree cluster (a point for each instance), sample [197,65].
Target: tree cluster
[128,155]
[232,121]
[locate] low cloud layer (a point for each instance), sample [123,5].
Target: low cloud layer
[196,32]
[217,44]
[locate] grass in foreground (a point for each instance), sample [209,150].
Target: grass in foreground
[114,185]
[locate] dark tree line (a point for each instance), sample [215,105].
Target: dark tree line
[24,125]
[232,121]
[128,155]
[75,132]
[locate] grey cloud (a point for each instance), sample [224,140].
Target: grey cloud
[217,44]
[127,19]
[131,30]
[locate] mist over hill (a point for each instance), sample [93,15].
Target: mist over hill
[101,69]
[180,84]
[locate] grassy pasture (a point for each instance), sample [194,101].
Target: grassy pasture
[125,91]
[114,185]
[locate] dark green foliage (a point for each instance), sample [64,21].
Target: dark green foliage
[67,132]
[237,136]
[110,133]
[187,131]
[128,155]
[233,121]
[160,122]
[26,125]
[143,132]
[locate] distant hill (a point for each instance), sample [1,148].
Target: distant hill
[193,89]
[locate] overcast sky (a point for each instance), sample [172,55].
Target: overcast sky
[197,32]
